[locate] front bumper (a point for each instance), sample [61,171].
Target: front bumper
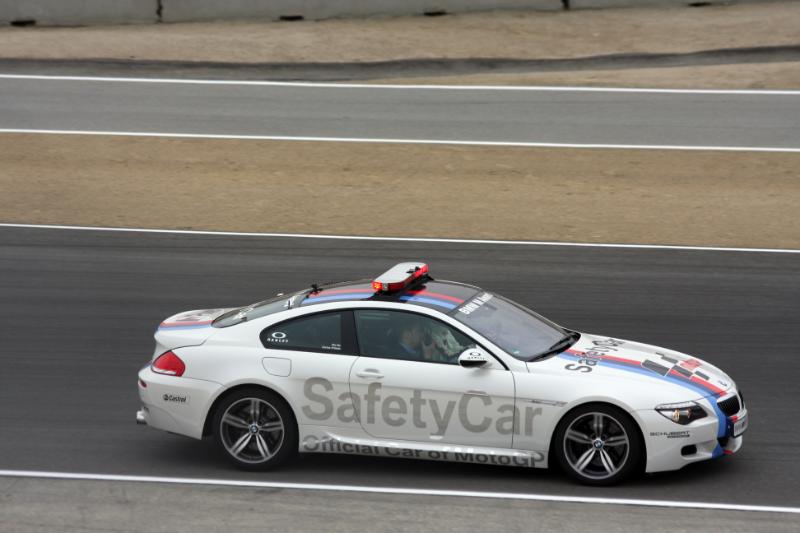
[671,446]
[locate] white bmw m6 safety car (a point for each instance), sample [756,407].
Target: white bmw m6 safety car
[406,366]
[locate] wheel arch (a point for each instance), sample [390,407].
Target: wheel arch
[605,403]
[207,430]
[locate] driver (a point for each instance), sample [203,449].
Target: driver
[416,342]
[412,341]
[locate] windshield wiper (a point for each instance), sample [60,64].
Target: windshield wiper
[562,344]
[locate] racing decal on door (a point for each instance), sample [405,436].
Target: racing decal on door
[373,407]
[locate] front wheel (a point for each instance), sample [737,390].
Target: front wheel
[598,445]
[255,429]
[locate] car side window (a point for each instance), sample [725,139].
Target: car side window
[316,333]
[409,336]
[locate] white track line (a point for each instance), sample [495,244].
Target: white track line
[331,85]
[404,491]
[402,239]
[401,141]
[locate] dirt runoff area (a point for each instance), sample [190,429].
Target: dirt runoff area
[511,35]
[628,196]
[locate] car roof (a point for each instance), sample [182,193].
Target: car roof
[443,296]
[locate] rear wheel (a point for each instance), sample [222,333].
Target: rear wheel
[255,429]
[598,444]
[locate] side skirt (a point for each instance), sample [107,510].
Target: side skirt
[326,440]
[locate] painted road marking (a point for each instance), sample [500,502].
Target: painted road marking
[404,491]
[403,141]
[332,85]
[402,239]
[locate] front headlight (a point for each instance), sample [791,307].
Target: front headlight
[681,413]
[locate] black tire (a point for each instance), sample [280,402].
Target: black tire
[260,425]
[601,459]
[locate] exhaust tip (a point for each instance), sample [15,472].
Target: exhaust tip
[140,419]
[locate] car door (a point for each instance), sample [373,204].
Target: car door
[314,353]
[408,391]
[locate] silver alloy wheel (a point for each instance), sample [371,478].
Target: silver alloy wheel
[596,445]
[251,430]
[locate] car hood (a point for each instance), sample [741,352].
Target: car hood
[638,361]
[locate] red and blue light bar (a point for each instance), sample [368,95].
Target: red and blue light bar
[399,277]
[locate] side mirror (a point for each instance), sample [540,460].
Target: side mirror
[473,358]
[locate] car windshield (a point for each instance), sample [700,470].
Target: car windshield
[517,330]
[256,310]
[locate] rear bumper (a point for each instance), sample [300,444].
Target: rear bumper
[174,404]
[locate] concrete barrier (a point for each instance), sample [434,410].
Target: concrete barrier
[85,12]
[77,12]
[600,4]
[187,10]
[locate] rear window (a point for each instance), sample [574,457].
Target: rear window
[257,310]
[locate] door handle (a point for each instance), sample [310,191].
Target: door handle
[369,373]
[477,393]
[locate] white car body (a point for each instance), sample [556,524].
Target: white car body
[504,412]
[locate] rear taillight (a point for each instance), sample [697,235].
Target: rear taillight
[168,363]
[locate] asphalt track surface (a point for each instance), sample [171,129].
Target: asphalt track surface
[80,307]
[409,114]
[399,68]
